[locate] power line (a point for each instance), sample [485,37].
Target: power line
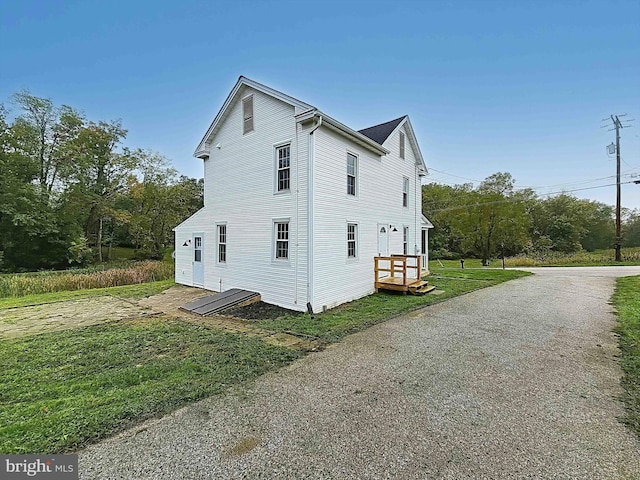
[629,175]
[513,200]
[537,187]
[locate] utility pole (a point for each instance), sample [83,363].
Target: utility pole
[618,245]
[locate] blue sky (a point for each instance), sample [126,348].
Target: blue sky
[516,86]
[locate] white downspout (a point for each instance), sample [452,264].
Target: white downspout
[310,219]
[415,214]
[295,274]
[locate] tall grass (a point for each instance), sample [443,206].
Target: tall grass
[20,284]
[599,257]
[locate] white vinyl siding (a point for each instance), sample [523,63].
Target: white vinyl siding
[283,168]
[222,243]
[405,192]
[250,212]
[352,240]
[377,205]
[247,114]
[352,173]
[248,156]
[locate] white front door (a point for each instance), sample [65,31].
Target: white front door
[198,261]
[383,240]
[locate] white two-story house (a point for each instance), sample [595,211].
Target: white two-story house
[297,204]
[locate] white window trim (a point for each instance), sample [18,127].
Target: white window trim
[226,253]
[274,241]
[253,114]
[405,194]
[276,146]
[357,240]
[357,168]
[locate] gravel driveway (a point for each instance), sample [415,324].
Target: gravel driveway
[513,381]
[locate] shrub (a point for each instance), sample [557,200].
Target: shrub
[18,285]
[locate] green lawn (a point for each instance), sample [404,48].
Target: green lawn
[468,263]
[627,302]
[338,322]
[630,256]
[60,391]
[140,290]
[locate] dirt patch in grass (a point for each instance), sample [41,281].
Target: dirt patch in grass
[173,298]
[261,311]
[65,315]
[51,317]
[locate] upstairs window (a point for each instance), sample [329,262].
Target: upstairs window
[352,170]
[222,243]
[281,231]
[402,145]
[247,114]
[283,158]
[352,235]
[405,192]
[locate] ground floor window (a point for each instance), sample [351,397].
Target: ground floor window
[405,240]
[352,237]
[222,243]
[281,231]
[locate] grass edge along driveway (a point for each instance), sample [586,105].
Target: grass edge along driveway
[61,391]
[626,299]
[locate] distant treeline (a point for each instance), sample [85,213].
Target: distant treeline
[68,188]
[496,219]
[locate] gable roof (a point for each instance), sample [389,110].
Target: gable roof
[371,138]
[305,110]
[244,81]
[380,133]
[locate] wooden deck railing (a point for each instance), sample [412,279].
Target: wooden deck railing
[399,267]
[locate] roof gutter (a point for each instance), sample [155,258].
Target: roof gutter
[359,138]
[336,126]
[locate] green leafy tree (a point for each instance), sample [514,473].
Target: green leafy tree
[494,219]
[159,202]
[599,223]
[102,173]
[440,204]
[32,235]
[45,134]
[631,229]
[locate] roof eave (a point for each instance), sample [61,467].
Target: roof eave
[359,138]
[422,166]
[242,81]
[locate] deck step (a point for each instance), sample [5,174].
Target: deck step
[425,289]
[420,287]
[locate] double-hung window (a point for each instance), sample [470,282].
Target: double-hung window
[405,240]
[222,244]
[352,172]
[352,238]
[283,159]
[281,233]
[405,192]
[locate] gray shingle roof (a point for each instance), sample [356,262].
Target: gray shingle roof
[380,133]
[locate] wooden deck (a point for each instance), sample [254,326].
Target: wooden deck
[400,273]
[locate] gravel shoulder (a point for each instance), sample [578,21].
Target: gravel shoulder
[514,381]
